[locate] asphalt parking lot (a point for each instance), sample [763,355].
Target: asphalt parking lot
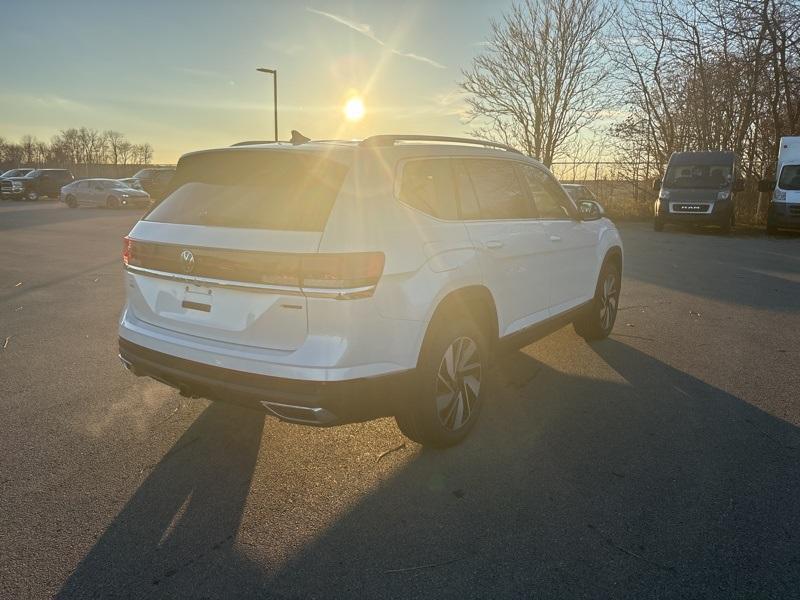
[662,462]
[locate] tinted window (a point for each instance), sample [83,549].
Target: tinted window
[252,189]
[427,185]
[466,192]
[498,190]
[698,176]
[550,200]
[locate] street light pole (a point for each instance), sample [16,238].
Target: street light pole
[274,73]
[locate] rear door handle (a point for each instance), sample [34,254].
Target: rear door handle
[494,244]
[555,238]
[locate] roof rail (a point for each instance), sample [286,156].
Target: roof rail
[255,142]
[390,140]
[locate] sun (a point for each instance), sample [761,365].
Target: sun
[354,109]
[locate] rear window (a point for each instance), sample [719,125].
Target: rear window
[253,190]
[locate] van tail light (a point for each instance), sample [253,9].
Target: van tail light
[344,276]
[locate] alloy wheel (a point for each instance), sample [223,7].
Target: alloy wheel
[609,299]
[458,383]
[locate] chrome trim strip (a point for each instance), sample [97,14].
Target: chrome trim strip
[286,290]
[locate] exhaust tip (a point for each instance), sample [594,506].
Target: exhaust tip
[305,415]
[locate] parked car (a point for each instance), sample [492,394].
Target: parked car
[784,205]
[39,183]
[110,193]
[131,182]
[331,282]
[698,188]
[579,192]
[15,173]
[155,181]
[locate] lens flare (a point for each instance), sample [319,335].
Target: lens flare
[354,109]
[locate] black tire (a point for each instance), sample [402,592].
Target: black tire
[771,228]
[71,202]
[658,224]
[598,318]
[32,196]
[112,202]
[727,224]
[443,403]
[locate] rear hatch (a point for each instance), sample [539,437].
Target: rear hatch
[220,258]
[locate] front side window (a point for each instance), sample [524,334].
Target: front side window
[498,190]
[427,185]
[790,178]
[551,201]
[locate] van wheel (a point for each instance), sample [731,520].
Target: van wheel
[771,229]
[32,196]
[728,224]
[598,319]
[112,202]
[658,224]
[450,384]
[71,202]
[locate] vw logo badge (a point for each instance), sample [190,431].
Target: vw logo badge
[187,260]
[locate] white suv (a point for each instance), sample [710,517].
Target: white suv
[330,282]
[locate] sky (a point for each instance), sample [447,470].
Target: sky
[181,75]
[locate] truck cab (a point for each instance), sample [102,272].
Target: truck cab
[698,188]
[784,205]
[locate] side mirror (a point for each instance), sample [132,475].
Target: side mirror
[656,184]
[766,185]
[590,210]
[738,185]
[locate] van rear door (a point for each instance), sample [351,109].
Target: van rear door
[220,257]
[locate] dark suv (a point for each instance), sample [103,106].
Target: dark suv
[36,184]
[155,181]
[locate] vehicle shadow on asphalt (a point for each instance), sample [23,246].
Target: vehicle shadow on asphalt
[656,485]
[177,531]
[649,483]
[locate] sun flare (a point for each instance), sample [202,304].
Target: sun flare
[354,109]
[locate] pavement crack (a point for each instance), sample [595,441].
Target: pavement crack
[628,552]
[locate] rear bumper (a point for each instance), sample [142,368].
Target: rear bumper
[297,401]
[784,215]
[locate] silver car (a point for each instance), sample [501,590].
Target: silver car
[110,193]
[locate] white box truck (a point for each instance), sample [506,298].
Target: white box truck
[784,206]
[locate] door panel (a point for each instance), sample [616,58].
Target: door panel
[512,245]
[573,261]
[572,253]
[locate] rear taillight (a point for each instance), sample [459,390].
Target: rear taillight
[127,245]
[343,275]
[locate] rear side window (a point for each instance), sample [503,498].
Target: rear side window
[252,189]
[428,185]
[498,190]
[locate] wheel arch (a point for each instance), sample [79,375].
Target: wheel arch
[474,300]
[614,255]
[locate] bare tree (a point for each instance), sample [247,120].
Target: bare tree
[542,78]
[114,139]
